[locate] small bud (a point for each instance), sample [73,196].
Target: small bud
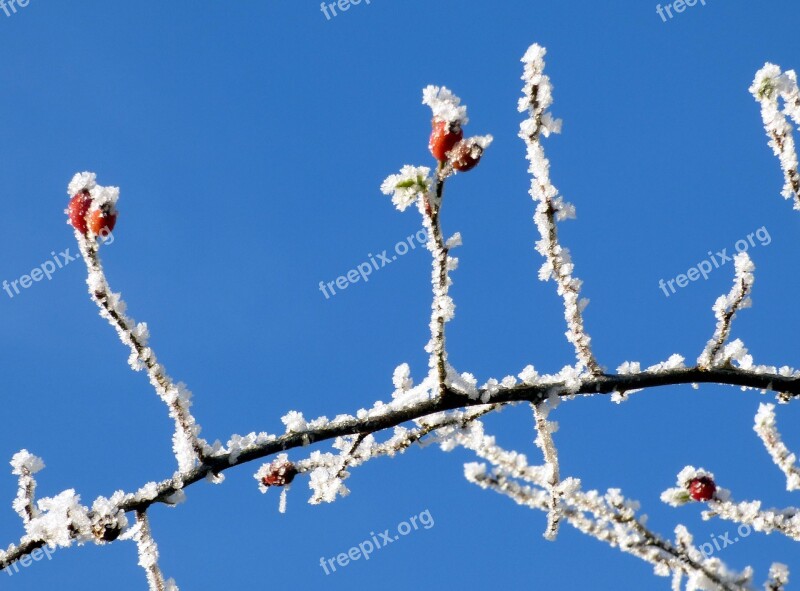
[106,533]
[78,208]
[280,473]
[465,155]
[101,222]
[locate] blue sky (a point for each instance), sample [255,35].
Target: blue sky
[249,140]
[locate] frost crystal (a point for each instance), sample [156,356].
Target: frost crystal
[445,105]
[82,181]
[405,188]
[402,378]
[25,463]
[294,422]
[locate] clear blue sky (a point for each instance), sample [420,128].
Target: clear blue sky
[249,140]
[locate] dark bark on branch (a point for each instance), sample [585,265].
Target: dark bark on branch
[604,384]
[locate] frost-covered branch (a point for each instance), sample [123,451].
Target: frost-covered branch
[25,465]
[610,518]
[442,307]
[328,471]
[551,207]
[769,86]
[544,440]
[60,520]
[725,309]
[784,521]
[106,518]
[415,185]
[778,577]
[767,429]
[446,407]
[148,554]
[188,448]
[699,485]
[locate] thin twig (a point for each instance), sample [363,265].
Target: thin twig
[558,265]
[171,394]
[725,309]
[544,440]
[439,251]
[148,553]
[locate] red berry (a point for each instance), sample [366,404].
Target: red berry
[466,155]
[280,474]
[702,489]
[102,223]
[77,210]
[444,136]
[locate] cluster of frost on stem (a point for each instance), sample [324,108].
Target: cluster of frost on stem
[769,86]
[784,521]
[716,353]
[56,521]
[405,188]
[25,465]
[767,429]
[445,105]
[62,520]
[779,577]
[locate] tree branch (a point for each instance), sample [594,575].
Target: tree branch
[188,448]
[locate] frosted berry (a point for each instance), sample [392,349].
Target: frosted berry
[702,489]
[101,222]
[465,155]
[280,474]
[78,208]
[444,136]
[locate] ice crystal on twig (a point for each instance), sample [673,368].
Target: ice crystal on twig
[725,308]
[769,87]
[544,441]
[767,429]
[25,465]
[148,554]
